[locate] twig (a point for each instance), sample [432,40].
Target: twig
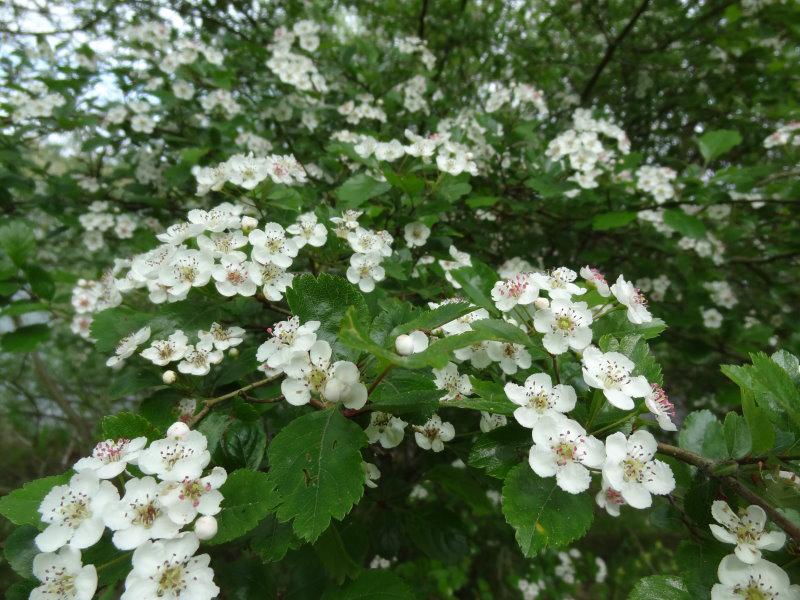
[213,401]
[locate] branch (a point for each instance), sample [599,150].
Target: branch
[612,47]
[213,401]
[708,466]
[422,14]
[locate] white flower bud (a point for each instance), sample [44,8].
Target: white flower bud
[178,429]
[205,527]
[404,345]
[233,352]
[169,377]
[541,303]
[333,390]
[248,224]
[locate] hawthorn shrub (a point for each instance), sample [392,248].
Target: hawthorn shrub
[400,299]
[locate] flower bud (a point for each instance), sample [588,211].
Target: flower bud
[248,224]
[169,377]
[178,429]
[205,527]
[404,345]
[233,352]
[541,303]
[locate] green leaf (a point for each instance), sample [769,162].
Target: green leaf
[273,539]
[702,433]
[451,189]
[19,550]
[358,189]
[404,392]
[408,182]
[326,299]
[243,444]
[129,425]
[663,587]
[248,499]
[616,323]
[542,514]
[713,144]
[686,225]
[315,470]
[25,339]
[771,380]
[461,484]
[490,397]
[698,566]
[111,325]
[41,282]
[613,220]
[476,283]
[548,187]
[334,556]
[498,451]
[431,319]
[21,506]
[761,430]
[789,363]
[737,436]
[373,584]
[17,242]
[131,379]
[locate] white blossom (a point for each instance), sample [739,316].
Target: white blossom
[760,581]
[184,500]
[63,576]
[633,299]
[385,429]
[745,530]
[163,352]
[139,515]
[451,382]
[433,434]
[611,372]
[181,455]
[631,469]
[538,398]
[111,457]
[565,325]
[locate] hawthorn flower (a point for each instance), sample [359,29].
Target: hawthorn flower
[609,499]
[760,581]
[74,512]
[558,283]
[631,469]
[224,245]
[307,230]
[173,236]
[659,405]
[449,381]
[169,569]
[110,458]
[181,455]
[433,434]
[371,474]
[271,245]
[365,270]
[633,299]
[490,421]
[127,346]
[348,221]
[313,374]
[184,500]
[163,352]
[199,358]
[273,278]
[538,398]
[365,241]
[518,290]
[511,357]
[746,530]
[386,429]
[139,515]
[63,576]
[565,325]
[221,337]
[184,270]
[344,385]
[416,234]
[288,338]
[225,216]
[611,372]
[233,277]
[561,447]
[412,343]
[595,278]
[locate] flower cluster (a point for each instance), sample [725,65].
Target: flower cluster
[247,171]
[370,248]
[292,68]
[100,219]
[656,181]
[147,518]
[745,573]
[295,351]
[517,96]
[784,135]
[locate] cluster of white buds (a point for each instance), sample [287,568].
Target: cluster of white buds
[147,518]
